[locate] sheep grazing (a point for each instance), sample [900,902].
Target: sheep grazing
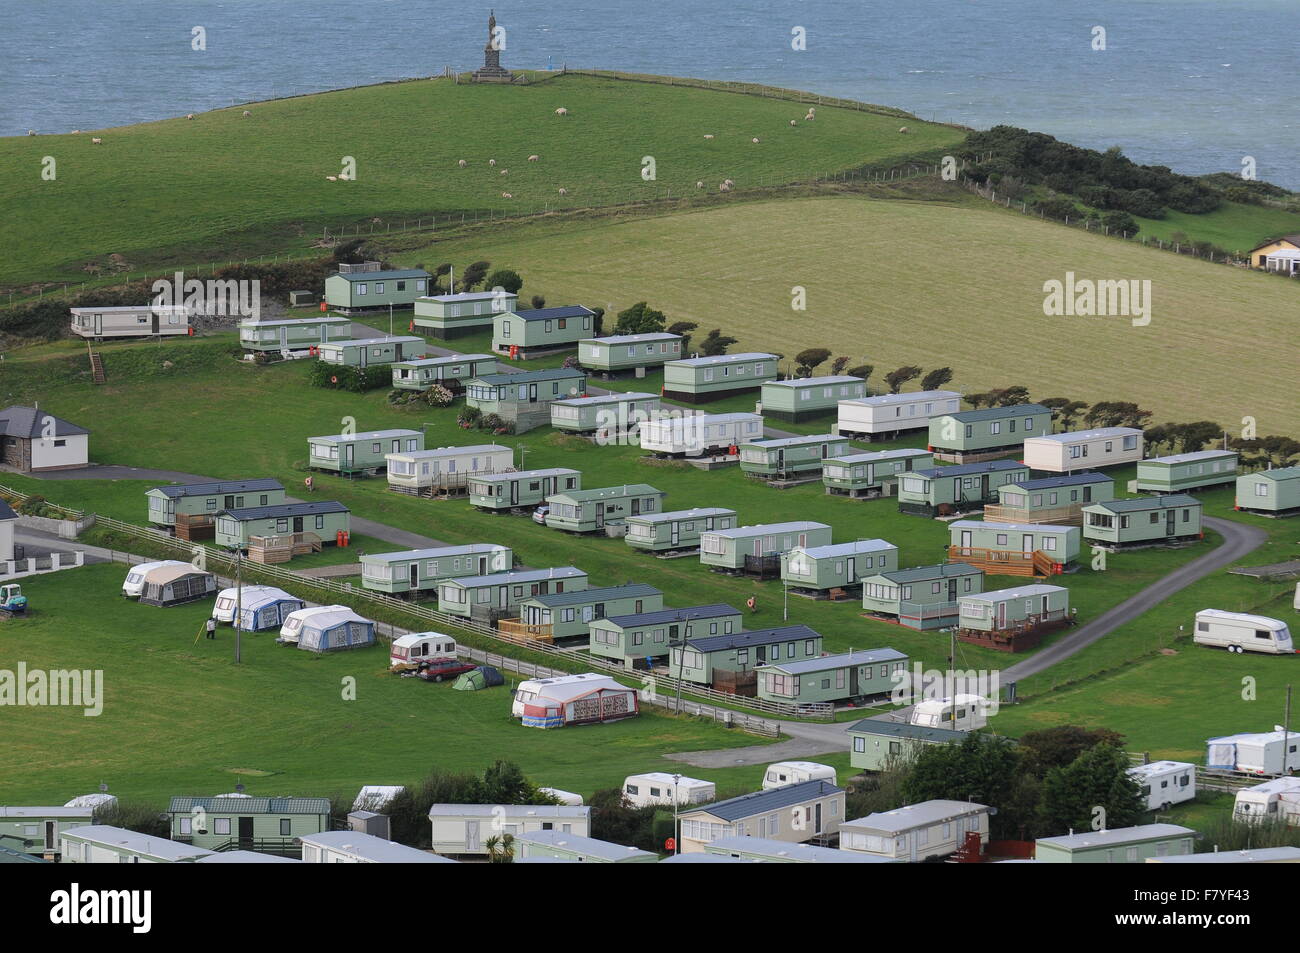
[332,178]
[189,115]
[492,162]
[247,113]
[561,111]
[794,122]
[755,139]
[728,182]
[505,171]
[534,158]
[97,141]
[564,191]
[506,195]
[76,132]
[31,132]
[699,185]
[904,130]
[708,136]
[462,163]
[724,187]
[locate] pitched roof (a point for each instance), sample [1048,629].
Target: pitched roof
[996,413]
[763,802]
[546,314]
[29,422]
[250,805]
[285,510]
[688,614]
[217,489]
[735,640]
[1281,473]
[7,511]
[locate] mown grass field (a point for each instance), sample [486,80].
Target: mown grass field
[1234,227]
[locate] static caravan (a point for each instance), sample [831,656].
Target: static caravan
[521,488]
[1184,472]
[887,415]
[831,678]
[523,400]
[924,597]
[697,380]
[1259,855]
[656,787]
[757,548]
[1143,521]
[333,630]
[32,441]
[793,813]
[490,597]
[428,472]
[465,828]
[133,585]
[1058,499]
[1013,548]
[1123,845]
[196,504]
[676,529]
[605,415]
[837,566]
[569,847]
[947,490]
[146,320]
[1165,783]
[590,511]
[635,641]
[414,571]
[259,607]
[867,475]
[727,662]
[779,774]
[1266,752]
[366,452]
[254,527]
[694,435]
[573,700]
[764,850]
[36,830]
[451,371]
[1242,632]
[367,352]
[357,289]
[1270,492]
[959,713]
[1276,800]
[918,832]
[524,334]
[628,352]
[229,820]
[174,585]
[877,745]
[408,651]
[1084,449]
[355,847]
[790,456]
[564,797]
[292,334]
[973,435]
[561,615]
[803,397]
[455,315]
[102,844]
[1012,620]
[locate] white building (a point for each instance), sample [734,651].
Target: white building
[917,832]
[32,441]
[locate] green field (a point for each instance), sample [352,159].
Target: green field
[1234,227]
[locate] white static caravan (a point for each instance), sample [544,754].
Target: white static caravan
[1274,800]
[133,585]
[465,828]
[567,798]
[1265,752]
[971,713]
[419,471]
[376,797]
[917,832]
[1083,449]
[260,607]
[131,321]
[1165,783]
[699,434]
[1243,632]
[416,647]
[782,773]
[870,417]
[354,847]
[658,787]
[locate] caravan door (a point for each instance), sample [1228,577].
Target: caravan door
[413,576]
[1027,543]
[674,537]
[284,338]
[471,837]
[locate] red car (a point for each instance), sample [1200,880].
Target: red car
[436,670]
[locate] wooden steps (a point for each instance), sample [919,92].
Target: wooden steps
[96,366]
[280,549]
[996,562]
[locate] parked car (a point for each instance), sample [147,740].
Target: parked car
[437,670]
[539,514]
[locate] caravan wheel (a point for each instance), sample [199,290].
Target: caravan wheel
[1235,648]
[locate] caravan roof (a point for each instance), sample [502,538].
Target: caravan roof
[885,399]
[916,815]
[254,597]
[842,660]
[566,689]
[511,578]
[1258,621]
[590,846]
[162,575]
[768,529]
[763,802]
[1120,835]
[217,489]
[365,435]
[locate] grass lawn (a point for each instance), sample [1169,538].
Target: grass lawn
[1234,227]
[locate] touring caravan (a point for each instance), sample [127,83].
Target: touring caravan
[1165,783]
[782,773]
[1242,632]
[1278,799]
[1265,752]
[971,713]
[415,647]
[291,629]
[260,607]
[659,787]
[133,585]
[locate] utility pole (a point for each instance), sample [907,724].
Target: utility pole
[1286,728]
[239,600]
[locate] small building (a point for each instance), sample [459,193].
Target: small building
[676,529]
[885,416]
[1058,499]
[728,661]
[801,398]
[924,597]
[446,469]
[292,334]
[584,699]
[562,615]
[131,321]
[635,640]
[368,286]
[1143,521]
[1012,620]
[590,511]
[355,847]
[767,851]
[578,849]
[795,813]
[411,572]
[497,595]
[102,844]
[1084,449]
[456,315]
[1123,845]
[697,380]
[267,824]
[969,436]
[521,488]
[1184,472]
[693,435]
[790,456]
[334,629]
[868,475]
[837,566]
[659,787]
[9,520]
[831,678]
[606,414]
[1258,256]
[35,830]
[466,828]
[258,607]
[1270,492]
[174,585]
[191,508]
[366,452]
[621,353]
[878,744]
[757,548]
[918,832]
[367,352]
[1284,261]
[946,490]
[33,441]
[452,371]
[1015,549]
[523,400]
[525,334]
[319,522]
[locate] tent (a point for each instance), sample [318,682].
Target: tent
[335,628]
[172,585]
[485,676]
[260,607]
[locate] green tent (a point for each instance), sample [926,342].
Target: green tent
[485,676]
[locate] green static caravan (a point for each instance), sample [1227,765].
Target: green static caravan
[987,540]
[757,548]
[885,416]
[426,472]
[493,596]
[590,511]
[523,334]
[800,398]
[367,452]
[1122,845]
[628,352]
[878,745]
[868,475]
[697,380]
[521,488]
[36,830]
[412,571]
[945,490]
[676,529]
[367,352]
[1270,492]
[356,289]
[1058,499]
[456,315]
[102,844]
[636,640]
[563,615]
[453,371]
[324,518]
[292,334]
[831,678]
[791,456]
[973,435]
[556,845]
[606,414]
[838,566]
[189,500]
[700,658]
[924,597]
[1005,610]
[267,824]
[1083,449]
[1184,472]
[524,400]
[1166,519]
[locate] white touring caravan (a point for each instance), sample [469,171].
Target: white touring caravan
[1165,783]
[781,773]
[971,713]
[1242,632]
[1266,752]
[416,647]
[291,629]
[133,585]
[1278,799]
[659,787]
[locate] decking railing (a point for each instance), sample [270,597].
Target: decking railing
[523,630]
[997,562]
[1059,515]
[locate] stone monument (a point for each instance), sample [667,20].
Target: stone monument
[492,71]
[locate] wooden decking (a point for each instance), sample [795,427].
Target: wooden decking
[1020,636]
[996,562]
[522,630]
[1056,516]
[282,548]
[195,526]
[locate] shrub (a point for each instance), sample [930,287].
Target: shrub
[469,416]
[439,396]
[358,381]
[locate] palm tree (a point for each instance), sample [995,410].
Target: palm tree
[500,848]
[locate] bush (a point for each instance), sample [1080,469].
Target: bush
[356,380]
[439,396]
[469,416]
